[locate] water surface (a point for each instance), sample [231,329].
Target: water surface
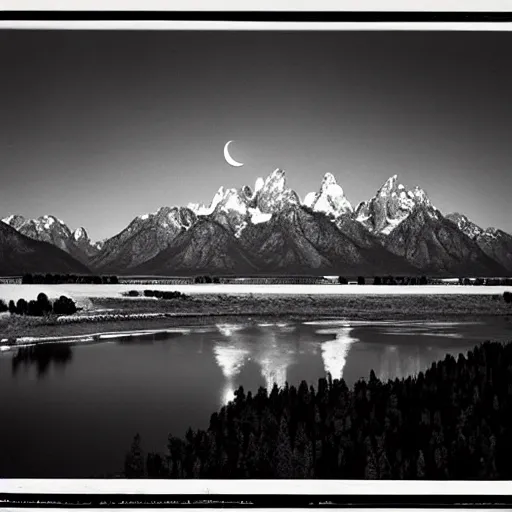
[72,410]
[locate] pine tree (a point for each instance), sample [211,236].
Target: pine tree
[134,466]
[420,465]
[283,454]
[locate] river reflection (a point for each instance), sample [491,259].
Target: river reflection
[335,352]
[42,356]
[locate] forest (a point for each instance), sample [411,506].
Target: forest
[453,421]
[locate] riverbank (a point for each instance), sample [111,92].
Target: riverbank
[107,314]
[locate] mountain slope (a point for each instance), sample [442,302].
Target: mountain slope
[145,237]
[467,226]
[497,245]
[438,247]
[300,241]
[494,242]
[20,254]
[48,228]
[206,248]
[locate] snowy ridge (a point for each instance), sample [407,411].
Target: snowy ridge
[465,225]
[51,229]
[330,199]
[391,205]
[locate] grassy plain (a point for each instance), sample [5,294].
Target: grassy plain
[209,308]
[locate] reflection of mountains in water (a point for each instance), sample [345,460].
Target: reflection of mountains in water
[42,355]
[335,352]
[274,350]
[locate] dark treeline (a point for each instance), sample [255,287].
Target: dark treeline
[453,421]
[159,294]
[67,279]
[40,307]
[388,280]
[206,280]
[424,280]
[480,281]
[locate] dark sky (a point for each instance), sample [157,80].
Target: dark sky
[98,127]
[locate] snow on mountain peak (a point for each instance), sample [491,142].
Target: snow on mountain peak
[80,234]
[465,225]
[389,186]
[15,221]
[274,195]
[260,182]
[330,199]
[232,201]
[392,204]
[328,180]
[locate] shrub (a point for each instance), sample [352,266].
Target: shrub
[34,308]
[171,295]
[342,280]
[12,307]
[132,293]
[163,295]
[44,304]
[361,280]
[21,307]
[3,306]
[377,280]
[507,296]
[64,306]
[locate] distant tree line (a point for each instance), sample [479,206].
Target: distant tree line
[206,280]
[67,279]
[479,281]
[159,294]
[40,307]
[453,421]
[389,280]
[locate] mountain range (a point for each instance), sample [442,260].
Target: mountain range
[269,230]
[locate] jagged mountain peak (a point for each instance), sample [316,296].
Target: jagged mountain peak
[274,195]
[328,180]
[330,199]
[80,234]
[15,221]
[467,226]
[391,205]
[51,229]
[389,185]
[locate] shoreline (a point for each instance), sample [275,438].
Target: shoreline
[92,334]
[108,315]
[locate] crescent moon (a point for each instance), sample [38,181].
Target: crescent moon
[229,159]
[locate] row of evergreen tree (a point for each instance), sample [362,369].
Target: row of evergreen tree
[388,280]
[67,279]
[206,280]
[159,294]
[480,281]
[40,307]
[453,421]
